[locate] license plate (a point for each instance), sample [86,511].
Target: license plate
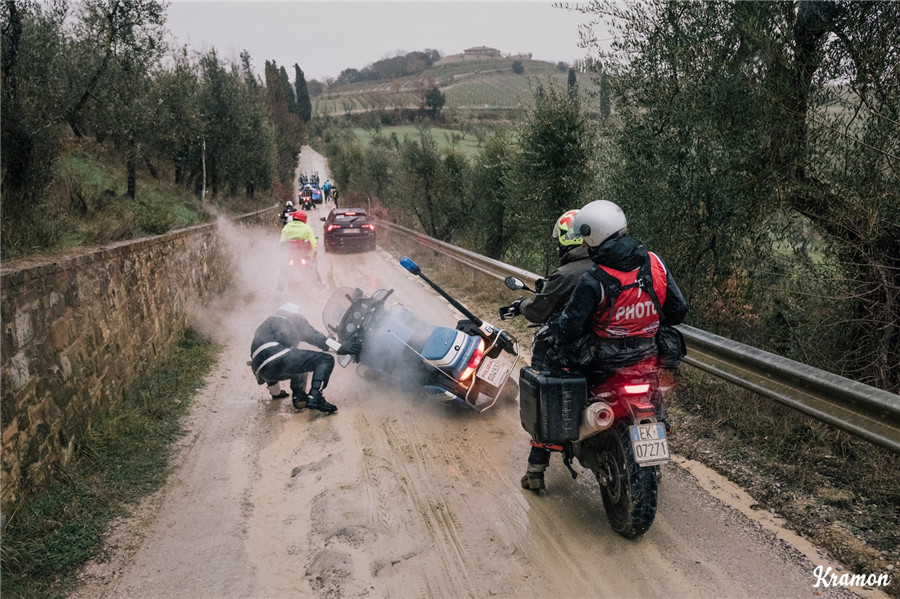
[351,231]
[493,371]
[651,447]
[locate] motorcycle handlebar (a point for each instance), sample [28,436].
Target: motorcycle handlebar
[507,312]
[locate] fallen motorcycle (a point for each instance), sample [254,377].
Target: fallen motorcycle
[466,365]
[615,428]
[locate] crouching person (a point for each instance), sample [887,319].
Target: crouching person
[274,357]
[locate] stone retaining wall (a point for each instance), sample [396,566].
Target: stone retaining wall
[78,331]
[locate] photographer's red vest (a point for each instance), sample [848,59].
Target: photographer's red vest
[628,309]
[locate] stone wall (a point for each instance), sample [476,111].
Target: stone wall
[78,331]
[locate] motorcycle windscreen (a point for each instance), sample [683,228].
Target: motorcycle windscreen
[336,307]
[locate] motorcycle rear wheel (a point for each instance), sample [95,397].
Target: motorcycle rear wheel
[631,494]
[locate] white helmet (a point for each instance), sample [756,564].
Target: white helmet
[599,221]
[290,308]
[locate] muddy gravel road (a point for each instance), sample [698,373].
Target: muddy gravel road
[396,496]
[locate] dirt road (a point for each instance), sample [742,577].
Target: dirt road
[394,496]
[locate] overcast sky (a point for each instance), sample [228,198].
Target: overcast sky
[325,38]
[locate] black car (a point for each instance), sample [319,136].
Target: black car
[348,228]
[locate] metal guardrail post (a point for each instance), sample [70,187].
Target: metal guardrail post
[862,410]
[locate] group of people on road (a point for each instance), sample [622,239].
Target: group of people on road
[592,294]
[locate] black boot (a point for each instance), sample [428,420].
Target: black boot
[315,401]
[299,402]
[533,481]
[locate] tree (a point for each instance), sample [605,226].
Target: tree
[304,106]
[604,95]
[495,223]
[434,101]
[762,130]
[555,169]
[178,131]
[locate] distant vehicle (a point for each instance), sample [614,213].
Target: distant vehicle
[317,195]
[306,199]
[348,228]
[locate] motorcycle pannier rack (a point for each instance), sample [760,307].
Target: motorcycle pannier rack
[550,405]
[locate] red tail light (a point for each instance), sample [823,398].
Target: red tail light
[332,227]
[635,389]
[474,361]
[303,262]
[349,214]
[368,226]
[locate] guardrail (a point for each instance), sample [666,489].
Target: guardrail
[862,410]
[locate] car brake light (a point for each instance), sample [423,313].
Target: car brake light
[635,389]
[291,263]
[349,214]
[369,226]
[303,262]
[332,227]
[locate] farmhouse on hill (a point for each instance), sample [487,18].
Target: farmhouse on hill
[480,52]
[476,53]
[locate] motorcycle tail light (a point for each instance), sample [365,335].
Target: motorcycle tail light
[474,361]
[636,389]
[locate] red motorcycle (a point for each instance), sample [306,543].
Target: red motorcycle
[616,429]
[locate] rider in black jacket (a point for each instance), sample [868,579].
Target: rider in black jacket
[275,357]
[546,304]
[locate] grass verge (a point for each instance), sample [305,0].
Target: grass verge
[124,457]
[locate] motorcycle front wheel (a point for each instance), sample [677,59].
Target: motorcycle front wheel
[631,492]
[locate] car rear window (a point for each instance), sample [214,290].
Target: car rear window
[359,217]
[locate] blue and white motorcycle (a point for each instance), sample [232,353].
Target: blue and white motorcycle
[468,365]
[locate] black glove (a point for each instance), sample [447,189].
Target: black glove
[539,285]
[353,348]
[510,311]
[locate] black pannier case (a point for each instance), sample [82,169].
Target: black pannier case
[550,405]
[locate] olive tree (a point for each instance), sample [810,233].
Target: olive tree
[757,148]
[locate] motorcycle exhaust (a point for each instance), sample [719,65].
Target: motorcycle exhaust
[595,418]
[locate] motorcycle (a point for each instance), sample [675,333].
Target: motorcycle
[615,428]
[299,266]
[306,200]
[467,365]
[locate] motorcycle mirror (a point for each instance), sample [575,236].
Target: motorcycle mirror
[322,218]
[409,265]
[514,283]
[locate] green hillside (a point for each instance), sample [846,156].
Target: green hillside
[473,85]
